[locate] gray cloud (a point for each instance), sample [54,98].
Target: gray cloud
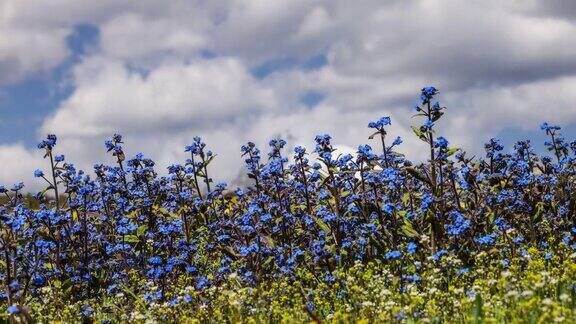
[500,65]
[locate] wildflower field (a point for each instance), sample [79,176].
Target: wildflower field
[315,237]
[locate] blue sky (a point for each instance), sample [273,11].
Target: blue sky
[233,71]
[26,104]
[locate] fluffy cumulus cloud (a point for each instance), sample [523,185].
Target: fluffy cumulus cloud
[173,96]
[18,164]
[162,72]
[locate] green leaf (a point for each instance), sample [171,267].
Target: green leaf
[406,198]
[269,241]
[129,292]
[409,230]
[323,226]
[268,261]
[210,159]
[416,174]
[539,209]
[401,213]
[478,311]
[324,181]
[131,239]
[437,116]
[452,150]
[418,133]
[141,230]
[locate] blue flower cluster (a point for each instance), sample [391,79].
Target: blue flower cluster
[313,210]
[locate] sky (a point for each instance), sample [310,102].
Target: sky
[231,71]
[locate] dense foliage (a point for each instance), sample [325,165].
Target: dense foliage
[317,236]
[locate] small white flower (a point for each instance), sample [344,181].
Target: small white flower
[559,319]
[527,293]
[511,293]
[547,301]
[367,304]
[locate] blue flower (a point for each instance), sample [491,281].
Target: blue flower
[13,309]
[438,255]
[427,200]
[86,311]
[329,278]
[365,151]
[388,208]
[38,173]
[428,124]
[393,255]
[440,142]
[397,141]
[427,94]
[39,281]
[411,278]
[265,218]
[380,123]
[202,282]
[155,260]
[488,239]
[411,248]
[459,224]
[48,143]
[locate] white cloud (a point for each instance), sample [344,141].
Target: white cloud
[135,37]
[18,165]
[23,52]
[316,21]
[498,65]
[110,97]
[161,112]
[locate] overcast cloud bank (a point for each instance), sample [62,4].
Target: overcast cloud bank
[232,71]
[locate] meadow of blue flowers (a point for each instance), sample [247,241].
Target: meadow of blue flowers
[315,236]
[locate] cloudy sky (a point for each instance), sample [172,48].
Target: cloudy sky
[161,72]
